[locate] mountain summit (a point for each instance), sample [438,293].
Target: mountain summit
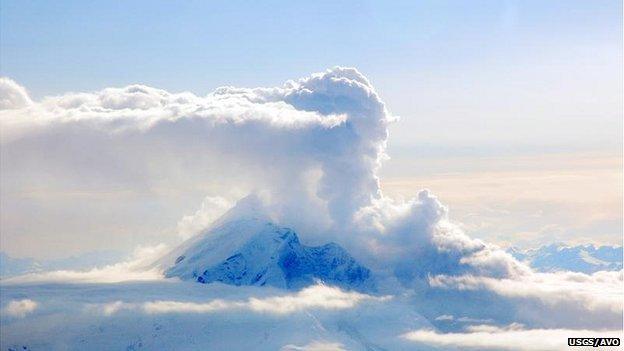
[254,251]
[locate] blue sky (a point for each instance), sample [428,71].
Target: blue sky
[545,69]
[199,45]
[510,93]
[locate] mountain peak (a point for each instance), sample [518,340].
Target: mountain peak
[255,252]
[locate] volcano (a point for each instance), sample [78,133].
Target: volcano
[244,249]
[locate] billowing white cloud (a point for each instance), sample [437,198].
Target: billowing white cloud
[313,145]
[419,239]
[20,308]
[512,338]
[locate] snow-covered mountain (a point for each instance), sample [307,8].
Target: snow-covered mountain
[581,258]
[250,250]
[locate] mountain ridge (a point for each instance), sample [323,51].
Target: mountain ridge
[585,258]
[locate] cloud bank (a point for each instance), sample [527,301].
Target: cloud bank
[512,338]
[316,297]
[601,291]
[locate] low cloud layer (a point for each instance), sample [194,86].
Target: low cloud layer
[317,297]
[601,291]
[512,338]
[167,314]
[138,268]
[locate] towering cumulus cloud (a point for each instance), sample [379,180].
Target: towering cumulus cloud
[310,151]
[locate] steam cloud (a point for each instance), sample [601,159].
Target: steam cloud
[313,146]
[309,150]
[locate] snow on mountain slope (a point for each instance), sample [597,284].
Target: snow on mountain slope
[581,258]
[176,315]
[256,252]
